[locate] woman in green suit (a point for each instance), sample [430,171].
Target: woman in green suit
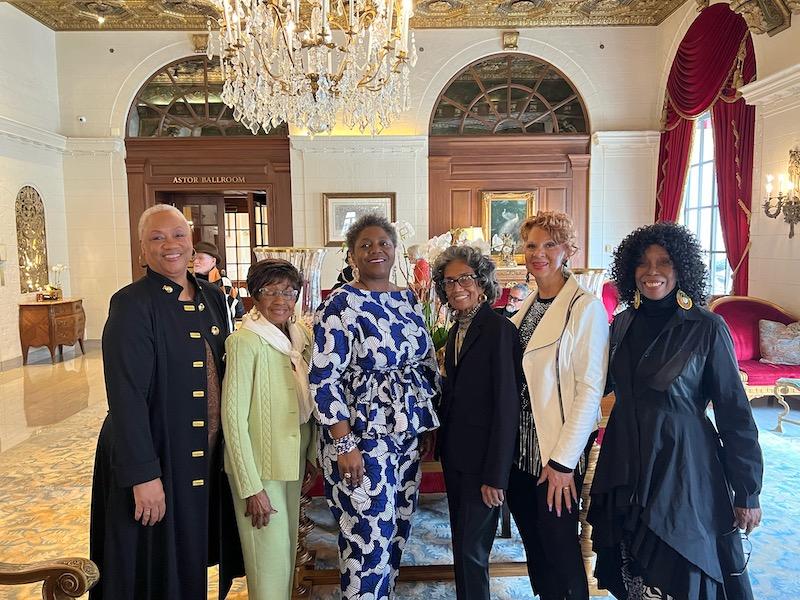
[269,429]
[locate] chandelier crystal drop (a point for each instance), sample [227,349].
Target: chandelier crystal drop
[304,62]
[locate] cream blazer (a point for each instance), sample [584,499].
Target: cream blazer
[574,331]
[260,415]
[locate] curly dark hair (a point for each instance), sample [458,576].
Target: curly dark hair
[483,266]
[369,220]
[272,270]
[682,247]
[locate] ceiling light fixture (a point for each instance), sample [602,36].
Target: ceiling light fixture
[304,62]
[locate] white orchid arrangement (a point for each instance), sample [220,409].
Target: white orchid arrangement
[57,270]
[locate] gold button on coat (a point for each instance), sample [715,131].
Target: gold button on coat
[215,330]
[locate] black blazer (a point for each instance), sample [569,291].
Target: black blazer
[480,406]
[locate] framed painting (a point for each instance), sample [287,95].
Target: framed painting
[503,213]
[340,211]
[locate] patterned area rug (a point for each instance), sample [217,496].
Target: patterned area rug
[45,487]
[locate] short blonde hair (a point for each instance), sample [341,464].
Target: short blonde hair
[157,208]
[557,224]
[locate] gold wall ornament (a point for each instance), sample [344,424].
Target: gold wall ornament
[763,16]
[510,40]
[200,43]
[31,240]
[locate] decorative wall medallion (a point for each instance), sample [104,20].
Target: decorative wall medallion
[94,10]
[31,240]
[450,8]
[605,7]
[183,9]
[528,8]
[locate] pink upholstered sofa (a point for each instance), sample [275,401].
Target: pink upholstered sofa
[742,313]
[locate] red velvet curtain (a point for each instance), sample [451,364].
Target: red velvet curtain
[734,129]
[714,59]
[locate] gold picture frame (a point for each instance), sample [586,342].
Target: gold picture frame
[504,212]
[342,209]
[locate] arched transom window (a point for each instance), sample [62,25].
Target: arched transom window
[184,100]
[509,94]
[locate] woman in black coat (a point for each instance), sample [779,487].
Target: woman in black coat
[161,507]
[479,412]
[673,489]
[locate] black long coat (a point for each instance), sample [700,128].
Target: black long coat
[154,355]
[661,454]
[480,406]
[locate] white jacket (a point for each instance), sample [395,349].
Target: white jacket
[574,329]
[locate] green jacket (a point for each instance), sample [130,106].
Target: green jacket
[259,414]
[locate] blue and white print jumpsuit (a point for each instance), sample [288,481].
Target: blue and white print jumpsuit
[373,365]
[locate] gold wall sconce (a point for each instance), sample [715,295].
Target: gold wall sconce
[787,200]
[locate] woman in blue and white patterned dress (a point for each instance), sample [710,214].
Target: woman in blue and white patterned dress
[374,379]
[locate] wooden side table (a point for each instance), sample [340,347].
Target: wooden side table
[53,323]
[784,387]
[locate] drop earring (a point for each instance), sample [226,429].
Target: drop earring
[684,301]
[527,278]
[637,299]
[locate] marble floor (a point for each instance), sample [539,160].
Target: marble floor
[50,416]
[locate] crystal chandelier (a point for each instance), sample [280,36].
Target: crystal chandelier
[303,62]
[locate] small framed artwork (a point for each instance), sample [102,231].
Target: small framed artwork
[503,214]
[340,211]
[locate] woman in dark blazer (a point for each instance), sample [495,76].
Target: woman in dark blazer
[161,505]
[479,412]
[672,489]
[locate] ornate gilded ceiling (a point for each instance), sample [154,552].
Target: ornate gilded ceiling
[762,16]
[82,15]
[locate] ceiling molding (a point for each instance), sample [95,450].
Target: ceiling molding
[192,15]
[31,135]
[774,88]
[626,139]
[384,144]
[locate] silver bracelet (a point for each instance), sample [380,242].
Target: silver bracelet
[345,444]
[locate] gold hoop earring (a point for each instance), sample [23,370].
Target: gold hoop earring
[684,301]
[356,275]
[637,299]
[293,318]
[482,298]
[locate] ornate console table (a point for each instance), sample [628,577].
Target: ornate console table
[53,323]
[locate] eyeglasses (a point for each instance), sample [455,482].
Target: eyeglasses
[288,294]
[515,299]
[465,281]
[746,543]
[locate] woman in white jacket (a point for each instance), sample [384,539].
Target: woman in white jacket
[564,336]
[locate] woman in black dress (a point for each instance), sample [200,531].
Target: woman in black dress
[161,506]
[479,412]
[673,489]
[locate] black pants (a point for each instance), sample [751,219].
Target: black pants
[552,547]
[473,526]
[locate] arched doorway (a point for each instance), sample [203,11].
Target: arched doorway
[184,147]
[508,123]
